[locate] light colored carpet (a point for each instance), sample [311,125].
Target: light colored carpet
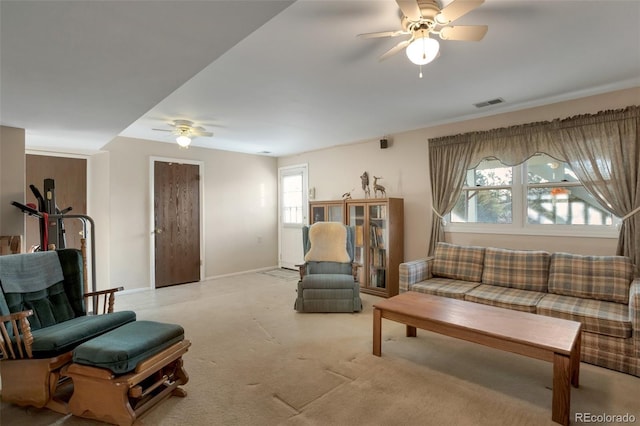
[255,361]
[282,273]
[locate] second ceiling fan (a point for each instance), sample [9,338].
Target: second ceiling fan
[185,131]
[422,18]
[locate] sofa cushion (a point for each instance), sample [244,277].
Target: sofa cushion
[596,316]
[458,262]
[505,297]
[65,336]
[122,349]
[523,269]
[50,305]
[445,287]
[593,277]
[72,268]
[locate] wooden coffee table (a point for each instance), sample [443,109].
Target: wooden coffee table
[536,336]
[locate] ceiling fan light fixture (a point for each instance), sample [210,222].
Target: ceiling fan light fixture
[183,141]
[423,49]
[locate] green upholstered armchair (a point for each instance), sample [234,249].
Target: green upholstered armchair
[43,317]
[328,278]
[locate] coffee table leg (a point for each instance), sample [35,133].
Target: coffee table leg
[575,361]
[377,331]
[411,331]
[560,412]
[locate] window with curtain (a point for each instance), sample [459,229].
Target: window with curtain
[486,196]
[601,151]
[541,195]
[556,197]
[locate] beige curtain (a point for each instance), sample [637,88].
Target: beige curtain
[451,156]
[449,161]
[603,149]
[604,152]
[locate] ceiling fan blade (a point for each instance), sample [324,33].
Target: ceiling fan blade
[395,49]
[383,34]
[163,130]
[410,9]
[464,32]
[200,131]
[456,9]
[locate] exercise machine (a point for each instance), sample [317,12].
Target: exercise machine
[52,233]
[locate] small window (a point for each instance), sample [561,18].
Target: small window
[487,195]
[556,197]
[292,199]
[542,196]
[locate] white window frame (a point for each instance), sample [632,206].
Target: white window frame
[520,225]
[293,171]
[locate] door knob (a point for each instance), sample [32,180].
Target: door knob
[158,230]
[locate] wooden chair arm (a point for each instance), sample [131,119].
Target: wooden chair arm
[22,336]
[354,270]
[303,269]
[108,299]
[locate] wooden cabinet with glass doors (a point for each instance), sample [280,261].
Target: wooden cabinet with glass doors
[379,224]
[326,211]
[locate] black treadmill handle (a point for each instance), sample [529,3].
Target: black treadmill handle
[39,197]
[26,209]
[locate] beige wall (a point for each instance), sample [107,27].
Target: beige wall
[240,204]
[98,201]
[404,166]
[12,180]
[240,194]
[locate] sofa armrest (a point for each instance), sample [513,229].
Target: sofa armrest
[22,337]
[634,312]
[108,299]
[413,272]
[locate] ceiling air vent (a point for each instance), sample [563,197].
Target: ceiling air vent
[489,102]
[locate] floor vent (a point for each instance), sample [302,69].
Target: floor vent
[489,102]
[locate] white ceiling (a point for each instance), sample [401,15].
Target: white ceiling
[287,77]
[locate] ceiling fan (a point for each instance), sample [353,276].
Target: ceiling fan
[185,132]
[420,19]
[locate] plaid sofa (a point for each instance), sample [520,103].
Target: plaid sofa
[598,291]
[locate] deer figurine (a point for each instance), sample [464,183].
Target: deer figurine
[365,184]
[379,188]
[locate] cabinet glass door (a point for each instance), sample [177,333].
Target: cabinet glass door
[378,237]
[335,213]
[317,214]
[357,220]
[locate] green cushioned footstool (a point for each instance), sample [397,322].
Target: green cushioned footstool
[121,374]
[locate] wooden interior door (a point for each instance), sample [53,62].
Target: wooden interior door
[70,175]
[176,223]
